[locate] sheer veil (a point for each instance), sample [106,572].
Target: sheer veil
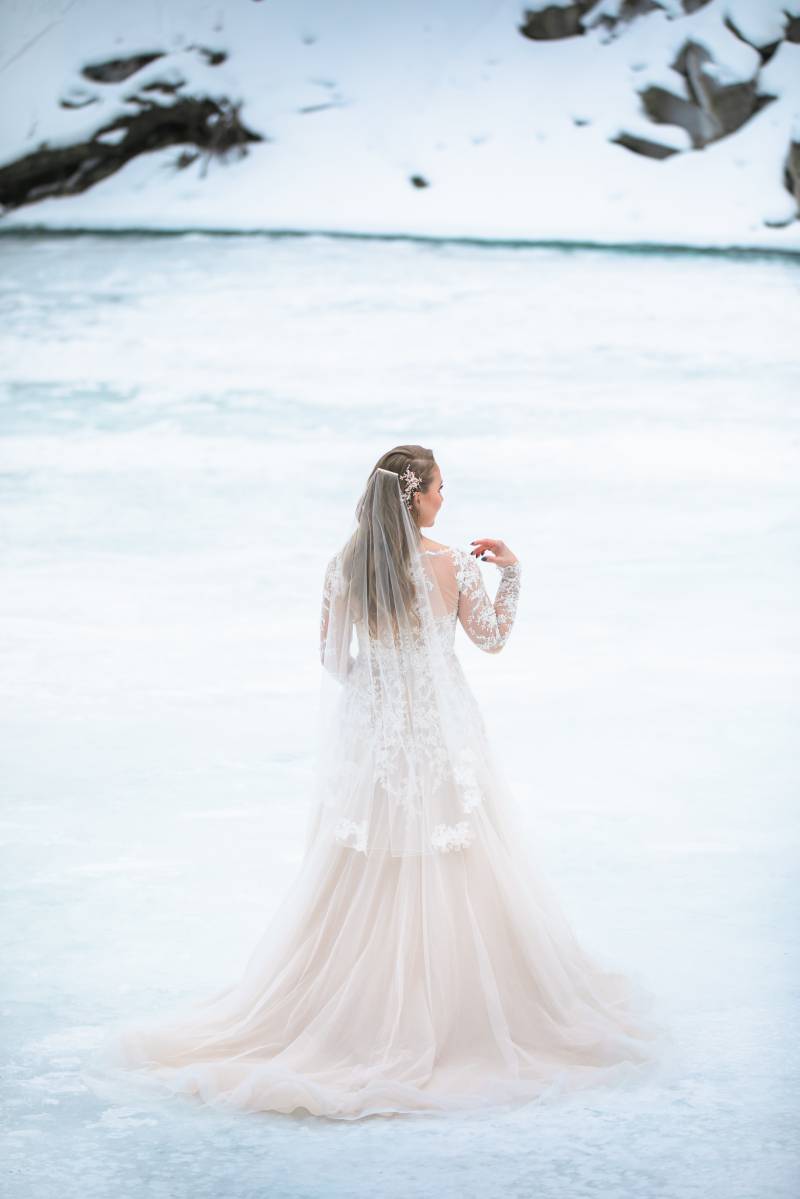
[396,764]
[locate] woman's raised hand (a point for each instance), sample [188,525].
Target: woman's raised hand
[501,555]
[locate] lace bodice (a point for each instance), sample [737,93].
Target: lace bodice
[487,623]
[404,738]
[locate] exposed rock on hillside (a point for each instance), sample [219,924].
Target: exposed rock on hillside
[792,171]
[213,126]
[715,108]
[555,21]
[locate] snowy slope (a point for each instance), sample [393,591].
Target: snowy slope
[510,137]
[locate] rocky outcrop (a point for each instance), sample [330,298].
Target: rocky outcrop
[555,21]
[566,19]
[714,102]
[614,21]
[163,116]
[726,105]
[212,126]
[116,70]
[665,108]
[711,108]
[644,145]
[791,172]
[715,109]
[627,12]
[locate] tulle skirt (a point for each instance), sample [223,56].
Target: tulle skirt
[395,985]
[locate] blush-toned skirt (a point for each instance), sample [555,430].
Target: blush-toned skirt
[390,985]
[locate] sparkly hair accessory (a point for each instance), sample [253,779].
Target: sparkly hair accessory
[411,481]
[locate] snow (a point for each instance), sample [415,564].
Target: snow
[761,24]
[513,136]
[186,426]
[707,27]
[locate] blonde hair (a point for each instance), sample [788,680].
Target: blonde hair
[359,550]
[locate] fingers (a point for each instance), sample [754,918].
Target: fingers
[490,549]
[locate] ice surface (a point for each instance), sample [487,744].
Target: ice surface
[187,426]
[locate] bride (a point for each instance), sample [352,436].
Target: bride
[419,961]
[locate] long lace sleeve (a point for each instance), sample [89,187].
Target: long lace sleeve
[334,638]
[487,624]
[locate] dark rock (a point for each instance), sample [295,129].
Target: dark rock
[117,69]
[211,125]
[419,181]
[214,58]
[791,172]
[77,101]
[644,146]
[791,30]
[628,11]
[164,86]
[186,158]
[728,105]
[322,107]
[553,22]
[690,58]
[690,6]
[665,108]
[714,110]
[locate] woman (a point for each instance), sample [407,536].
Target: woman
[418,962]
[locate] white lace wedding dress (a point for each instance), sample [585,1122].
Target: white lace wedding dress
[413,983]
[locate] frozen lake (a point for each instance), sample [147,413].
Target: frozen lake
[187,425]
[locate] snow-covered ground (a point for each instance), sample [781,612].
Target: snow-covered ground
[513,137]
[187,426]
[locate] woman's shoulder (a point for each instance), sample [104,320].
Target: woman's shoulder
[461,564]
[455,551]
[448,553]
[458,555]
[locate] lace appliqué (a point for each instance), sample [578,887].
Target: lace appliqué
[446,837]
[466,777]
[487,624]
[352,833]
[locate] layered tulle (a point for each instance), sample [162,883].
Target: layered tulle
[388,985]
